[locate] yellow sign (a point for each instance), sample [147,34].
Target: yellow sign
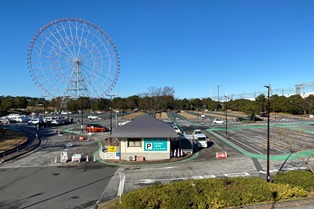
[112,148]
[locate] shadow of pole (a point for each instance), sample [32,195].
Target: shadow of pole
[285,161]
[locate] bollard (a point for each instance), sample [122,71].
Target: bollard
[87,158]
[94,159]
[56,159]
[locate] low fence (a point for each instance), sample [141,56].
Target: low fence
[28,146]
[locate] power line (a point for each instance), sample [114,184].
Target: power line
[304,89]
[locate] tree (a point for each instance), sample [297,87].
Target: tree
[295,104]
[197,104]
[7,103]
[132,102]
[20,102]
[309,104]
[119,103]
[277,103]
[261,102]
[155,99]
[293,141]
[103,104]
[183,104]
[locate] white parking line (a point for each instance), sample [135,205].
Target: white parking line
[197,177]
[121,184]
[247,146]
[154,168]
[209,176]
[236,174]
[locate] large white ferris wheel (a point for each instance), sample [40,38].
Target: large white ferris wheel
[72,58]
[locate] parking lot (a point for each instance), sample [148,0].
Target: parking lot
[284,138]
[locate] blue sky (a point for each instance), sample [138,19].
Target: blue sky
[192,46]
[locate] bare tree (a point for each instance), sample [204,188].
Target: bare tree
[157,99]
[293,141]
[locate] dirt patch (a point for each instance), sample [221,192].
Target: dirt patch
[133,115]
[162,116]
[188,116]
[10,139]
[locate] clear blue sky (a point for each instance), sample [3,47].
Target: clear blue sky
[191,46]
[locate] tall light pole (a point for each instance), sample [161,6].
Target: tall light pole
[110,109]
[82,115]
[226,116]
[218,92]
[44,104]
[268,106]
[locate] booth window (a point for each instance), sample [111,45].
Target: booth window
[137,142]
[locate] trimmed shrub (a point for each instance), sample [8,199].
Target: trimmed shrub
[285,191]
[298,178]
[209,193]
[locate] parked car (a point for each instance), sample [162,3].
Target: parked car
[35,121]
[239,119]
[254,118]
[218,121]
[196,132]
[17,118]
[264,115]
[93,117]
[65,112]
[4,121]
[177,129]
[96,128]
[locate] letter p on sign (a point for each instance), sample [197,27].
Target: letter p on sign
[149,146]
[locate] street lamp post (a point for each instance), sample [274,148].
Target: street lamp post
[116,120]
[110,120]
[82,118]
[110,109]
[226,117]
[268,106]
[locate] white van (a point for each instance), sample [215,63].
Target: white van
[17,118]
[200,138]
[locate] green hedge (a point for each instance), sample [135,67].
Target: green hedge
[209,193]
[299,178]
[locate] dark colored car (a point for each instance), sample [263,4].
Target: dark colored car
[264,114]
[239,119]
[254,118]
[96,128]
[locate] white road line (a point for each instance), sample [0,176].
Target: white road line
[149,169]
[197,177]
[247,146]
[209,176]
[237,174]
[121,184]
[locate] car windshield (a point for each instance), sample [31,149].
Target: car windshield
[94,125]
